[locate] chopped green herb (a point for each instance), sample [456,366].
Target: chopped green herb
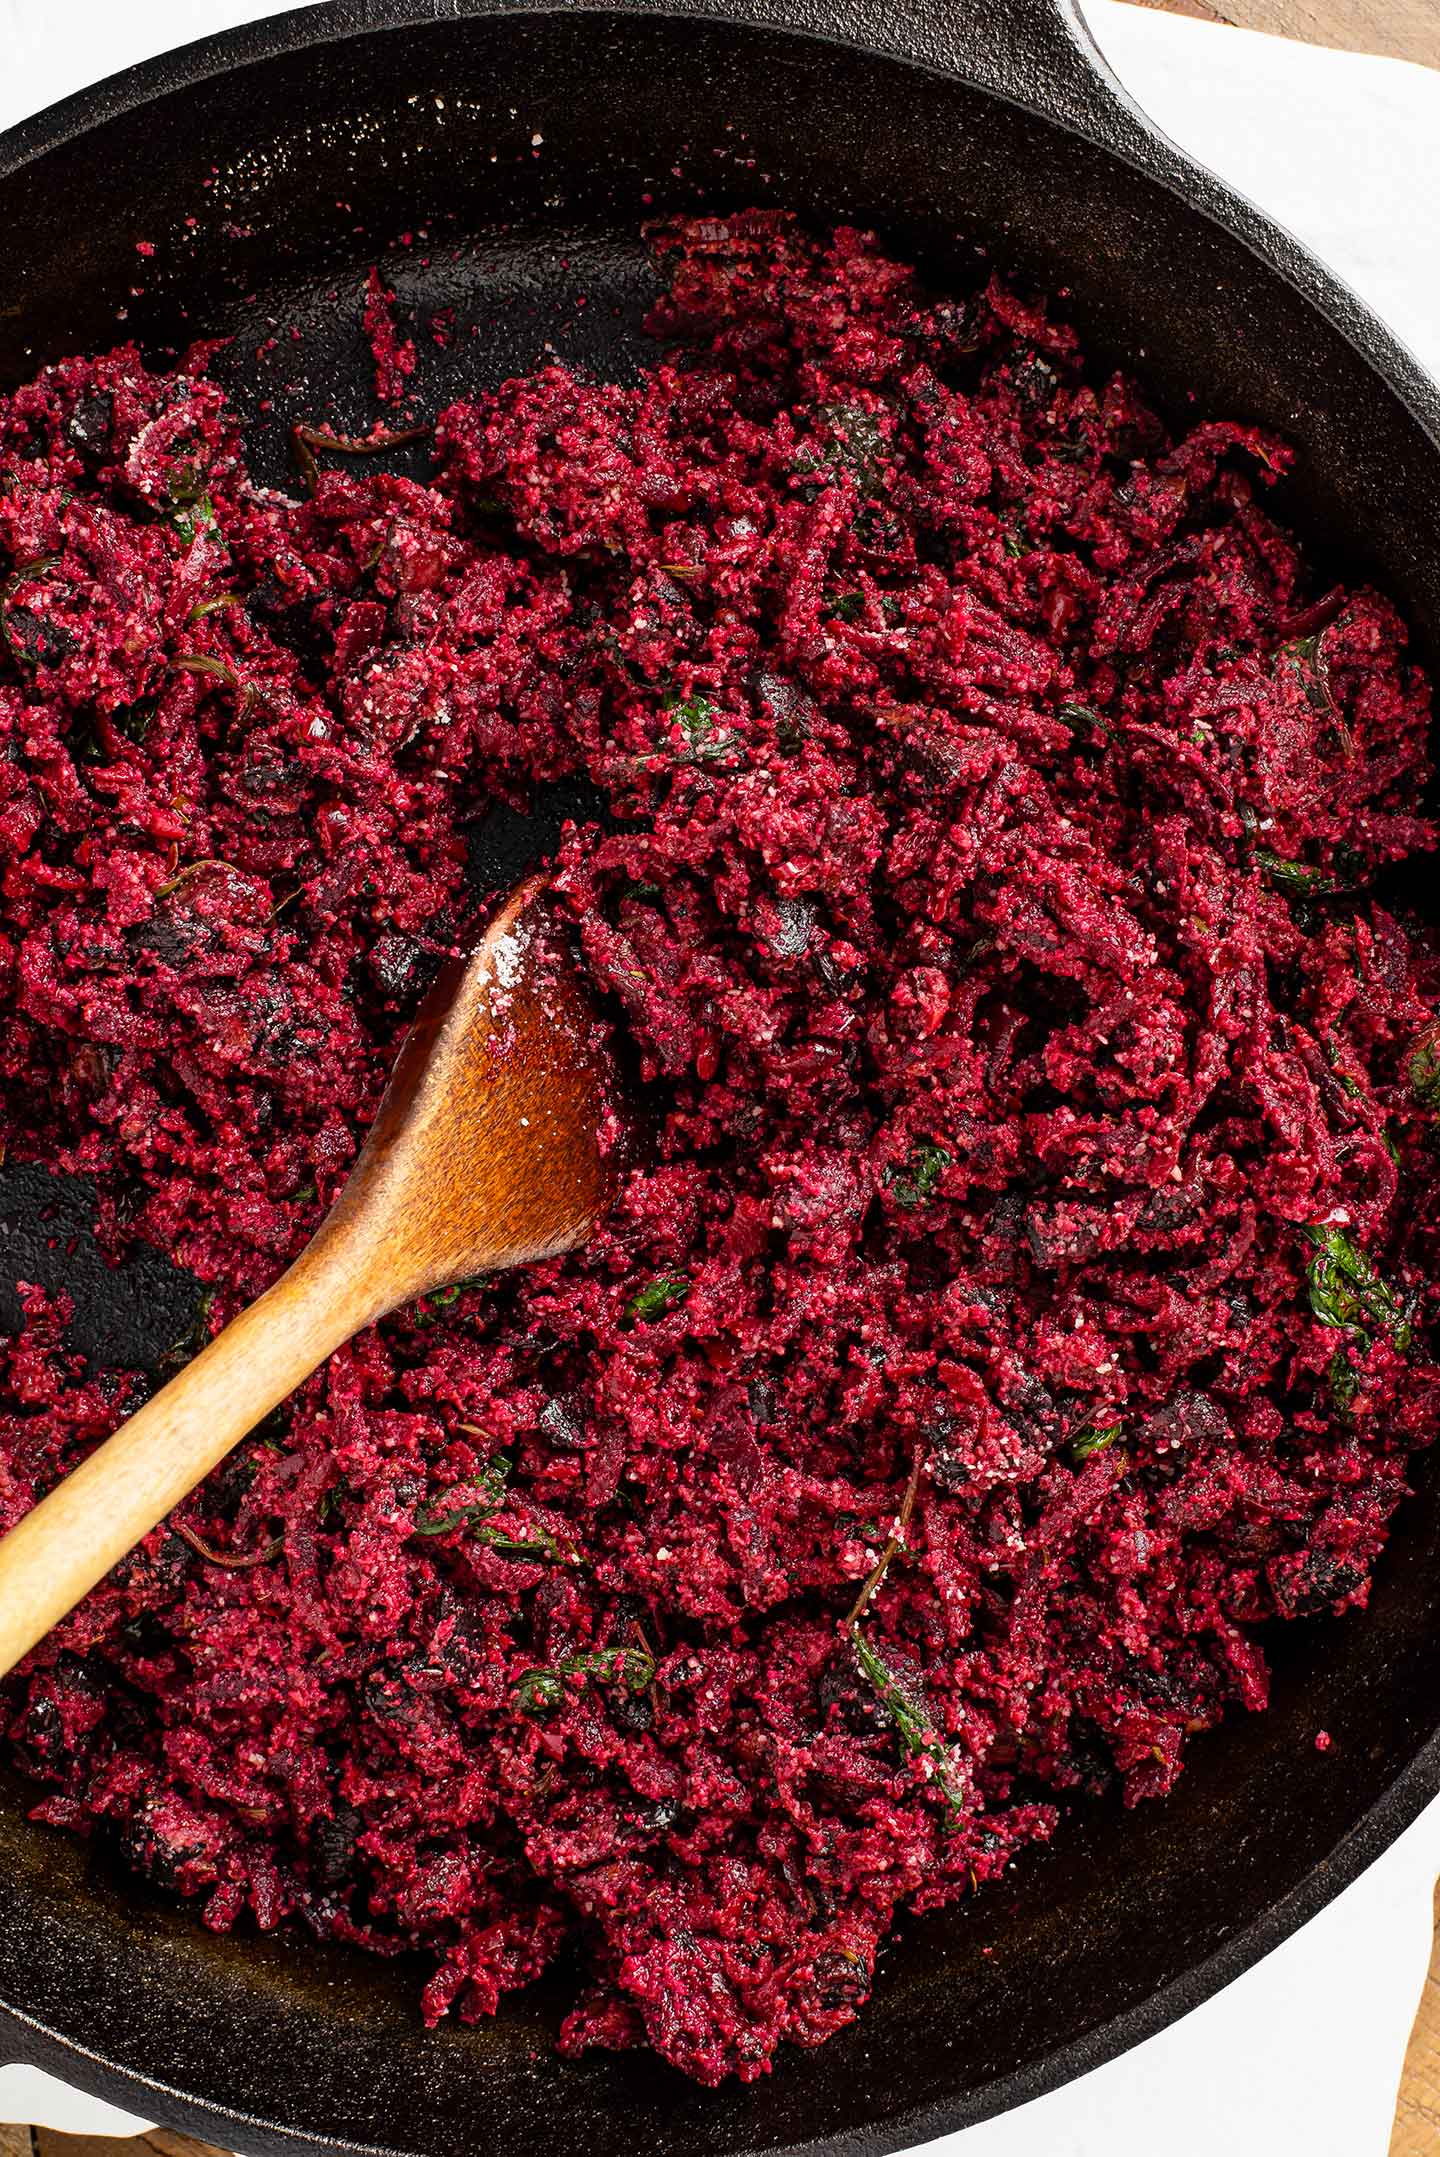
[914,1725]
[542,1689]
[1016,547]
[434,1300]
[196,1335]
[1297,876]
[1094,1441]
[85,740]
[213,606]
[1345,1288]
[971,954]
[1422,1068]
[1085,720]
[439,1521]
[705,742]
[852,1526]
[915,1183]
[493,1484]
[1343,1378]
[642,890]
[191,510]
[494,1477]
[1349,1085]
[857,444]
[845,607]
[539,1543]
[135,721]
[655,1299]
[1304,655]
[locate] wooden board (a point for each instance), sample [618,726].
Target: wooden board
[1417,2114]
[1410,30]
[44,2142]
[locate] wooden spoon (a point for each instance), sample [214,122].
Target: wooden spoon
[490,1149]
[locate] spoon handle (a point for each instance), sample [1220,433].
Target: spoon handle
[70,1540]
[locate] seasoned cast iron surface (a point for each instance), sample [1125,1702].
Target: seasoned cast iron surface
[127,1317]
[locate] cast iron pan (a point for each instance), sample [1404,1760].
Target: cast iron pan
[521,145]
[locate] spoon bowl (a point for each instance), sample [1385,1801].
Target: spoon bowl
[496,1144]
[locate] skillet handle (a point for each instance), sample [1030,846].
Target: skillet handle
[1037,53]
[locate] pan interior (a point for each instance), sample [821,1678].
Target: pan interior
[520,155]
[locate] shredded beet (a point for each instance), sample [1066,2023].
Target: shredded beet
[1029,1295]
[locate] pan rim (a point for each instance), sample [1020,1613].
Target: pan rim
[917,35]
[1374,1833]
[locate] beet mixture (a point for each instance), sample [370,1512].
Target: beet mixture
[1028,1293]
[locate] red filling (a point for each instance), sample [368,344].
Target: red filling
[1028,1295]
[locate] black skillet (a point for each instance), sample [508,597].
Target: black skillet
[541,136]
